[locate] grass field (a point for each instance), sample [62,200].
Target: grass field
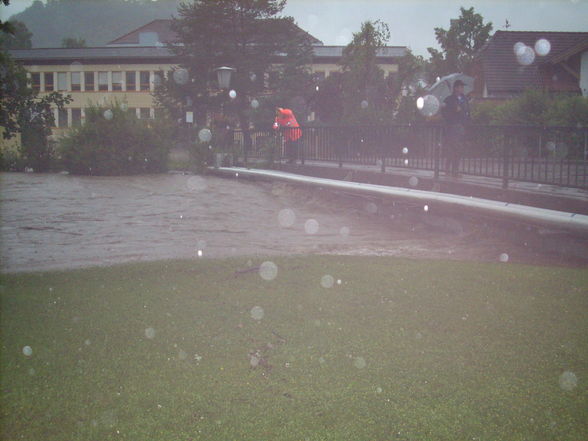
[383,349]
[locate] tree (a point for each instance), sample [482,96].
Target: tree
[71,42]
[466,36]
[266,51]
[5,26]
[19,36]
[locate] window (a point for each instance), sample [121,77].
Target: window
[144,78]
[131,80]
[75,81]
[49,81]
[89,80]
[116,80]
[62,118]
[102,80]
[144,113]
[76,117]
[318,76]
[62,81]
[36,81]
[133,111]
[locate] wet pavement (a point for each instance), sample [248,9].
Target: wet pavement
[53,221]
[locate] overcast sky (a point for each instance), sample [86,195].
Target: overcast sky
[412,22]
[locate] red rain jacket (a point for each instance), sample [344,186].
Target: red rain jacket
[287,120]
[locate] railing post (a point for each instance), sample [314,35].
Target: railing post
[301,146]
[505,158]
[437,132]
[340,154]
[383,152]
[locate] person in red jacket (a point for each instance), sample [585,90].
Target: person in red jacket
[286,122]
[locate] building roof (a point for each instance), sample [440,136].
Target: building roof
[503,74]
[162,31]
[91,54]
[337,51]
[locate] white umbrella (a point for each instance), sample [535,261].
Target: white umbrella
[444,86]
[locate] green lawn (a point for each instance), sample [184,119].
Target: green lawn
[398,350]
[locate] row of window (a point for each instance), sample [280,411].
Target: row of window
[73,116]
[94,81]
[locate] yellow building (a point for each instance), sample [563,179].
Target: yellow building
[128,69]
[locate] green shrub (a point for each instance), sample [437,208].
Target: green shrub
[121,145]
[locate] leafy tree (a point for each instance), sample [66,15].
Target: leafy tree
[5,26]
[466,35]
[19,36]
[71,42]
[245,35]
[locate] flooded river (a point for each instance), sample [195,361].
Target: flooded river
[51,221]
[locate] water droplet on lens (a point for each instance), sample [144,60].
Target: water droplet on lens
[108,114]
[268,270]
[27,351]
[429,106]
[196,183]
[426,208]
[359,362]
[327,281]
[526,56]
[542,47]
[253,361]
[199,253]
[344,231]
[257,313]
[286,217]
[364,104]
[311,226]
[503,257]
[420,103]
[519,48]
[568,381]
[254,104]
[406,162]
[371,208]
[205,135]
[413,181]
[550,146]
[150,333]
[181,76]
[404,150]
[378,390]
[233,94]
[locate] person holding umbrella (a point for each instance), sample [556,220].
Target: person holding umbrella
[456,112]
[286,122]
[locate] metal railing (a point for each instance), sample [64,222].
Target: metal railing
[543,155]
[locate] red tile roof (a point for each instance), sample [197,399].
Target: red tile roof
[504,75]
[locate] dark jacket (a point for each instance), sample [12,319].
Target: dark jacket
[456,109]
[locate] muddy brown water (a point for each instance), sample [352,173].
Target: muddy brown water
[53,221]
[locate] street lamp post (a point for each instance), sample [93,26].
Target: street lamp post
[223,76]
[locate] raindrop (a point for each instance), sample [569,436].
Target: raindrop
[550,146]
[429,105]
[344,231]
[519,48]
[252,76]
[254,103]
[426,208]
[253,361]
[339,282]
[205,135]
[196,183]
[371,208]
[199,253]
[413,181]
[27,350]
[286,217]
[316,88]
[364,104]
[233,94]
[526,56]
[87,342]
[378,390]
[568,381]
[359,362]
[406,162]
[420,103]
[503,257]
[327,281]
[108,114]
[311,226]
[150,333]
[268,270]
[542,47]
[256,313]
[404,150]
[181,76]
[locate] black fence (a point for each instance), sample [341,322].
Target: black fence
[545,155]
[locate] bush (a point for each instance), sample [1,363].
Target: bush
[116,144]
